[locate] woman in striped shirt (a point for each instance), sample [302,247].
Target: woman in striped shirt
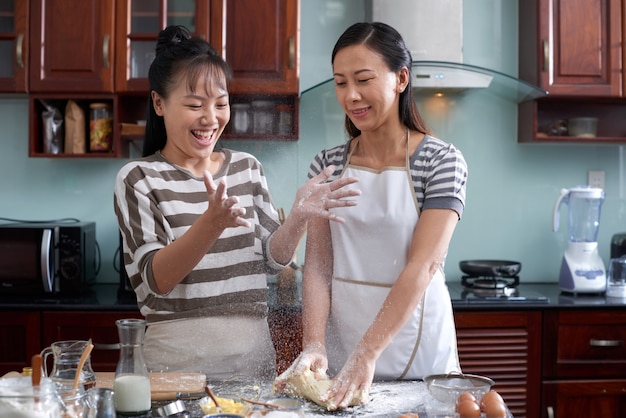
[200,232]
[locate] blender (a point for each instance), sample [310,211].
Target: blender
[582,268]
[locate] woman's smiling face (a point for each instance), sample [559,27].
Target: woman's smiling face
[194,116]
[365,87]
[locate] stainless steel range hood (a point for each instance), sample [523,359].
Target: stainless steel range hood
[433,77]
[433,32]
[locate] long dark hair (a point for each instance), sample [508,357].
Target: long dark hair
[386,41]
[178,53]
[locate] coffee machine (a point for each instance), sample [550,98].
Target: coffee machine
[582,268]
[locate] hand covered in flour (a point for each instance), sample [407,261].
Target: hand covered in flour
[222,208]
[315,197]
[354,378]
[313,357]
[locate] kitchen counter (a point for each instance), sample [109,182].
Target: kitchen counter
[104,297]
[387,399]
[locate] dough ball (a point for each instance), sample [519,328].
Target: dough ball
[308,386]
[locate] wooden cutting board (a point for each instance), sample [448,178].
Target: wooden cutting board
[163,386]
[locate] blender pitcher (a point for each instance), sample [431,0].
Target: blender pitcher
[582,268]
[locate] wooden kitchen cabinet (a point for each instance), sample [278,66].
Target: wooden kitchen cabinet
[14,46]
[72,46]
[572,48]
[260,40]
[137,26]
[260,43]
[83,325]
[505,346]
[584,363]
[96,50]
[286,332]
[538,120]
[20,339]
[574,51]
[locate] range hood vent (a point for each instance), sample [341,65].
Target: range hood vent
[433,33]
[436,75]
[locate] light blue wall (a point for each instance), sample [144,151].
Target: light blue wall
[511,190]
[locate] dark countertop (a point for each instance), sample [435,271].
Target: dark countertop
[104,297]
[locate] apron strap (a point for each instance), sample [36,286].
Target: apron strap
[417,342]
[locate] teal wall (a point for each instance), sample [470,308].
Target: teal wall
[511,190]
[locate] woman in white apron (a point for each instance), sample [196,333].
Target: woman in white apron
[375,301]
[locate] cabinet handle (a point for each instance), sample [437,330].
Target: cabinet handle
[97,346]
[550,411]
[292,53]
[18,50]
[546,55]
[105,50]
[605,343]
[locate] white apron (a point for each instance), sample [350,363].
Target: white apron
[370,250]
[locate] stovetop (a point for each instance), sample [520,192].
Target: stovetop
[487,290]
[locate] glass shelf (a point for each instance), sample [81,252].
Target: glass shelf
[455,78]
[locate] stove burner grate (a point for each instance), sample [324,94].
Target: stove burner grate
[482,286]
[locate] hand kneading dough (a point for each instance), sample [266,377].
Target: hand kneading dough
[306,386]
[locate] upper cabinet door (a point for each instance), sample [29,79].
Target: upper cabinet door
[138,25]
[576,49]
[72,46]
[13,46]
[260,42]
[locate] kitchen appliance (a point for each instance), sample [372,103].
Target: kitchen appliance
[493,281]
[417,21]
[582,268]
[47,258]
[618,245]
[616,280]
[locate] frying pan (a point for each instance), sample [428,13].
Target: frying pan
[490,268]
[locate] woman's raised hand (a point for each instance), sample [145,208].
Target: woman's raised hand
[223,209]
[315,197]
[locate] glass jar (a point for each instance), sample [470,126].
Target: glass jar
[100,127]
[263,116]
[131,385]
[285,119]
[100,402]
[18,398]
[241,118]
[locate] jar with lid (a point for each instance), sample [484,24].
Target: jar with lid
[100,127]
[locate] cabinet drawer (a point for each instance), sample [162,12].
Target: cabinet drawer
[588,343]
[591,343]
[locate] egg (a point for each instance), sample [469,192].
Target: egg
[488,397]
[466,396]
[495,409]
[468,409]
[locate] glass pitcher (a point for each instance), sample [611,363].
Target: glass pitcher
[66,356]
[583,218]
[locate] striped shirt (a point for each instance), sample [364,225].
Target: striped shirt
[156,202]
[438,171]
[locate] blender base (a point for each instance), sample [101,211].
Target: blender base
[582,269]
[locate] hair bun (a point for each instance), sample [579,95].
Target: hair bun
[170,37]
